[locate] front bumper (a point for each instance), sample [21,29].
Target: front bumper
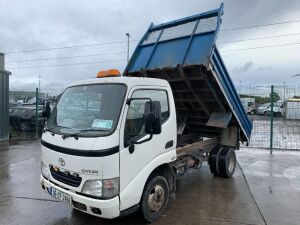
[109,208]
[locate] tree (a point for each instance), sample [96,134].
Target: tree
[276,97]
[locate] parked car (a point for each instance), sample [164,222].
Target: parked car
[252,110]
[265,109]
[13,103]
[249,105]
[32,101]
[23,118]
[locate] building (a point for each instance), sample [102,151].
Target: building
[4,100]
[293,109]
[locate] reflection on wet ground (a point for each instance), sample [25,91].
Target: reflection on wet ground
[275,183]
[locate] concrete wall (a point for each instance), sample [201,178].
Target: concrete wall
[4,102]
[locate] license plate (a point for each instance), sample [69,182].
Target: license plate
[61,196]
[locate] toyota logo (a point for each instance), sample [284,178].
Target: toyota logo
[61,162]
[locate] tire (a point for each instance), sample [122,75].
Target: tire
[213,159]
[25,127]
[266,113]
[155,198]
[277,114]
[226,162]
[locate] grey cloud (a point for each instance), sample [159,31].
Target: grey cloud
[34,24]
[243,69]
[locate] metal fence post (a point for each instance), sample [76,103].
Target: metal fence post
[271,119]
[37,112]
[4,100]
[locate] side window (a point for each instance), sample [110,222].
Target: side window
[134,126]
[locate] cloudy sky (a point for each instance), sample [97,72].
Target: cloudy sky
[102,24]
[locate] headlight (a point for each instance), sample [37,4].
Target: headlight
[45,170]
[102,188]
[93,187]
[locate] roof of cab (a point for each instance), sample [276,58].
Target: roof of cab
[129,81]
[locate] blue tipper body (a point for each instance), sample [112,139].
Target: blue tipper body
[184,52]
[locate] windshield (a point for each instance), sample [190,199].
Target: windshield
[266,105]
[88,110]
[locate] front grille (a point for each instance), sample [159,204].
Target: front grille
[65,177]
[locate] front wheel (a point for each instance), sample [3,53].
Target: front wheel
[155,198]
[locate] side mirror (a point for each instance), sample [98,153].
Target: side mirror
[46,110]
[152,114]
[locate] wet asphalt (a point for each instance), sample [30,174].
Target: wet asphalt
[200,198]
[274,181]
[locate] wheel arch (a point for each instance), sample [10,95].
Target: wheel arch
[165,170]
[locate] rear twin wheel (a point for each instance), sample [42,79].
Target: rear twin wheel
[222,161]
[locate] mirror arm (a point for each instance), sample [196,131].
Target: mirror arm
[143,141]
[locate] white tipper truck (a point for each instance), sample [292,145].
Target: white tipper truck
[115,144]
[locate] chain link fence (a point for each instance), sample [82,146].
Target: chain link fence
[275,115]
[277,127]
[25,111]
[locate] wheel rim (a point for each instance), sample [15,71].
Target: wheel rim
[23,127]
[231,162]
[156,198]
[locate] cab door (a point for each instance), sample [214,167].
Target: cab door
[137,161]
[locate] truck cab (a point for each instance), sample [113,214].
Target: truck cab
[96,155]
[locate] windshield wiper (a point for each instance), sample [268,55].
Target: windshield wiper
[75,135]
[52,128]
